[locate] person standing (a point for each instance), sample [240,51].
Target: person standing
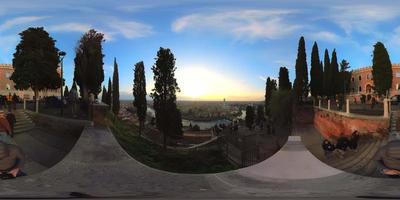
[14,101]
[9,101]
[73,98]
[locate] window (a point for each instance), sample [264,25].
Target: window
[359,89]
[359,78]
[352,79]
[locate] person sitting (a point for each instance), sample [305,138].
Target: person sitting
[353,142]
[11,121]
[4,125]
[342,143]
[328,147]
[388,159]
[11,161]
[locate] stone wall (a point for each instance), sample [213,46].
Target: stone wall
[332,124]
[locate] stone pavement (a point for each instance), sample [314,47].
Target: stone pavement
[97,167]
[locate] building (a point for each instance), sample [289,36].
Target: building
[361,82]
[7,85]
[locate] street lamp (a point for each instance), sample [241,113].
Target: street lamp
[62,54]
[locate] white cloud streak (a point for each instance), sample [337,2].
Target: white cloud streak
[242,24]
[8,24]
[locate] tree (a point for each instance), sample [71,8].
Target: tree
[109,93]
[301,81]
[327,75]
[321,79]
[104,95]
[249,117]
[89,73]
[334,75]
[139,94]
[115,90]
[316,72]
[260,114]
[344,77]
[269,88]
[164,95]
[35,62]
[66,92]
[382,73]
[284,83]
[281,108]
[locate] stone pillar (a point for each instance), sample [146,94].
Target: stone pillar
[24,104]
[347,106]
[319,103]
[329,104]
[385,107]
[98,112]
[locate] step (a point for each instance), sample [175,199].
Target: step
[339,161]
[354,164]
[39,152]
[349,158]
[364,161]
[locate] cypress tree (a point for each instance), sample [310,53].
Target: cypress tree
[249,117]
[104,95]
[164,95]
[115,91]
[314,71]
[301,81]
[382,73]
[109,93]
[321,79]
[139,94]
[284,83]
[334,76]
[327,77]
[89,73]
[66,92]
[270,87]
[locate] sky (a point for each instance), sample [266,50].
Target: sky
[223,49]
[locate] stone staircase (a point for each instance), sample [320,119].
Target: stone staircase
[394,133]
[24,122]
[359,162]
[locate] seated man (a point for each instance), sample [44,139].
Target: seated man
[11,160]
[388,159]
[342,143]
[353,142]
[11,121]
[328,147]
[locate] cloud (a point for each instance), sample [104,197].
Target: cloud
[242,24]
[69,27]
[362,17]
[19,21]
[325,36]
[130,29]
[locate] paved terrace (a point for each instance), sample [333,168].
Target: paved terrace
[98,167]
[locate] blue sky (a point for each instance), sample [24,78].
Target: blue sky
[224,49]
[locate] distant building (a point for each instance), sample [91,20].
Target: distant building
[361,82]
[7,85]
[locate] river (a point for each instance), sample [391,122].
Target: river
[204,125]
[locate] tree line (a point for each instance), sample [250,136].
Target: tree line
[37,58]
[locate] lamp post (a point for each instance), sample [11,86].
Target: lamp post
[62,54]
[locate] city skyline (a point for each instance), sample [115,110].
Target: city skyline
[222,49]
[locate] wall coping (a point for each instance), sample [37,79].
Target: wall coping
[352,115]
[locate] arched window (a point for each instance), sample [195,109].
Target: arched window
[359,89]
[359,78]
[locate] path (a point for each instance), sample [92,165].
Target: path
[98,167]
